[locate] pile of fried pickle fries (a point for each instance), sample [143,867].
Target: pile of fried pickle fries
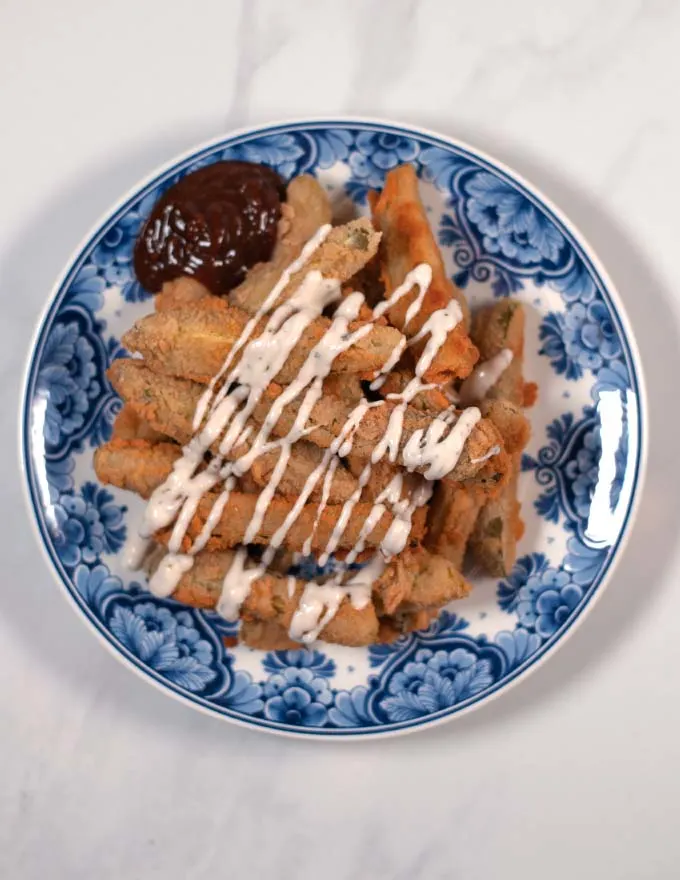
[324,448]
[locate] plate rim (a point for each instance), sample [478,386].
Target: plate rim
[586,252]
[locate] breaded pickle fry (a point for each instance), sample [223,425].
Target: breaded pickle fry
[269,603]
[432,401]
[231,528]
[135,465]
[127,464]
[180,293]
[497,327]
[193,342]
[428,581]
[168,405]
[418,579]
[128,426]
[499,527]
[344,251]
[407,242]
[452,513]
[512,424]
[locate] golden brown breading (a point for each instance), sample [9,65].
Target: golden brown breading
[329,416]
[180,293]
[231,527]
[510,421]
[305,210]
[424,581]
[193,342]
[269,601]
[135,465]
[146,465]
[452,514]
[345,387]
[128,426]
[168,405]
[497,327]
[431,401]
[397,625]
[345,250]
[407,242]
[493,543]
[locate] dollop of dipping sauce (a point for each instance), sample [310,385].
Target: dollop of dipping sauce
[214,224]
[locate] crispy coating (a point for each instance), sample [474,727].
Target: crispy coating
[269,602]
[494,328]
[329,416]
[411,583]
[305,210]
[418,579]
[168,405]
[231,527]
[345,250]
[128,426]
[408,241]
[138,463]
[180,293]
[393,627]
[512,424]
[432,401]
[345,387]
[452,513]
[193,342]
[135,465]
[493,542]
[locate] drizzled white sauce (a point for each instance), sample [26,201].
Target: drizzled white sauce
[439,454]
[163,582]
[221,417]
[484,376]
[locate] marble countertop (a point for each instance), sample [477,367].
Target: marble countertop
[574,773]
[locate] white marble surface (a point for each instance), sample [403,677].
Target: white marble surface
[574,773]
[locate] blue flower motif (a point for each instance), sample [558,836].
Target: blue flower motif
[297,696]
[112,255]
[333,145]
[67,380]
[518,645]
[302,658]
[524,568]
[87,525]
[95,584]
[282,151]
[441,167]
[87,289]
[377,153]
[167,641]
[612,377]
[547,600]
[243,694]
[583,563]
[435,680]
[580,338]
[508,222]
[59,476]
[577,285]
[582,471]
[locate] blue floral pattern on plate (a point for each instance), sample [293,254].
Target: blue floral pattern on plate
[578,481]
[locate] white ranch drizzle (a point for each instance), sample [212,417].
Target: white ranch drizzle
[484,376]
[224,415]
[309,619]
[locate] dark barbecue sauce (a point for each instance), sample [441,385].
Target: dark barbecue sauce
[214,224]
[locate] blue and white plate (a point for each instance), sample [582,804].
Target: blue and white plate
[581,475]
